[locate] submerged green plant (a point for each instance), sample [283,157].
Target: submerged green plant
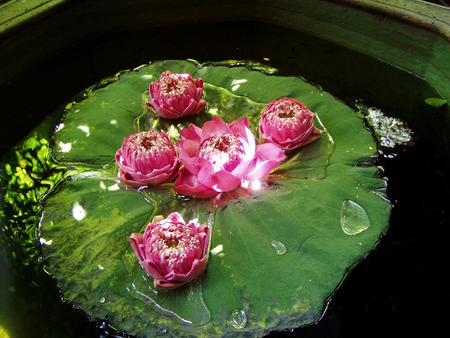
[27,175]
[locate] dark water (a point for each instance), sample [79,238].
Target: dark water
[400,289]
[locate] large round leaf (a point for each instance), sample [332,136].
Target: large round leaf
[276,257]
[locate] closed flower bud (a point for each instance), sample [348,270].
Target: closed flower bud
[171,251]
[177,95]
[147,158]
[288,123]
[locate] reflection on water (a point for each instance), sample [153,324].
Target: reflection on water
[78,211]
[235,84]
[217,250]
[85,129]
[65,147]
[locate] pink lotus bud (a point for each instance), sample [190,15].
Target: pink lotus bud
[171,251]
[288,123]
[221,157]
[145,158]
[177,95]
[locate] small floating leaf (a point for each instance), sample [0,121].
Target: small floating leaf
[436,102]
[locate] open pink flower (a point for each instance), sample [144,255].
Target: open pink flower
[145,158]
[177,95]
[221,157]
[288,123]
[171,251]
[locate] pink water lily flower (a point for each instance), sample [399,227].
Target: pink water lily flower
[288,123]
[221,157]
[147,158]
[171,251]
[177,95]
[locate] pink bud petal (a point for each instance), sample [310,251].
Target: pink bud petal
[136,243]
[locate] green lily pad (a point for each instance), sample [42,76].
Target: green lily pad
[276,258]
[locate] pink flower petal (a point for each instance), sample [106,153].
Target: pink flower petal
[136,241]
[168,285]
[315,135]
[244,167]
[192,132]
[270,152]
[189,107]
[175,217]
[188,185]
[261,170]
[214,127]
[197,268]
[269,156]
[131,181]
[188,155]
[220,181]
[241,128]
[152,269]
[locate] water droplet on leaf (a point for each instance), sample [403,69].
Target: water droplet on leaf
[354,219]
[238,319]
[279,247]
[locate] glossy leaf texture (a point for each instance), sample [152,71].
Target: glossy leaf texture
[276,257]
